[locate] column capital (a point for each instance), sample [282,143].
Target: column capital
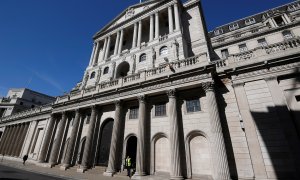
[93,107]
[171,93]
[142,98]
[238,84]
[208,86]
[271,78]
[118,103]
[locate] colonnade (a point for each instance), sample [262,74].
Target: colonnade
[221,169]
[13,138]
[137,35]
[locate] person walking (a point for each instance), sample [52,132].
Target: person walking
[128,166]
[25,157]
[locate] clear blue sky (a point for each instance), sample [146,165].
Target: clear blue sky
[45,45]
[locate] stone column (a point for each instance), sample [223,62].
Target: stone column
[107,48]
[47,139]
[121,42]
[170,15]
[95,59]
[141,154]
[71,145]
[135,29]
[156,25]
[151,28]
[117,43]
[250,131]
[57,142]
[23,135]
[104,49]
[14,140]
[9,139]
[139,41]
[176,164]
[115,141]
[89,141]
[92,55]
[177,18]
[6,133]
[219,155]
[18,139]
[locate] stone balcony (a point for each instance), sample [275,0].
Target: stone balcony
[259,55]
[142,76]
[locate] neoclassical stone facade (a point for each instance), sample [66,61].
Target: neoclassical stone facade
[182,102]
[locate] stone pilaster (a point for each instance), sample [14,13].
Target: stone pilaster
[219,155]
[117,43]
[47,139]
[4,138]
[18,140]
[57,142]
[14,140]
[71,145]
[121,42]
[139,41]
[151,28]
[176,164]
[170,15]
[156,25]
[9,139]
[107,48]
[115,141]
[177,18]
[89,142]
[141,144]
[135,29]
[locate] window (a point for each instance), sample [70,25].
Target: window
[105,71]
[287,34]
[279,21]
[133,113]
[163,51]
[143,57]
[93,75]
[32,106]
[218,32]
[233,26]
[243,48]
[262,42]
[298,98]
[160,110]
[250,21]
[21,103]
[193,105]
[224,53]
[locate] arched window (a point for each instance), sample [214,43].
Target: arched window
[93,75]
[143,57]
[163,51]
[105,71]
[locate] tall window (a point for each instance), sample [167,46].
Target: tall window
[134,113]
[224,53]
[143,57]
[93,75]
[163,51]
[105,71]
[287,34]
[160,110]
[243,48]
[262,42]
[193,105]
[279,21]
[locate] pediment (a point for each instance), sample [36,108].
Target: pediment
[130,12]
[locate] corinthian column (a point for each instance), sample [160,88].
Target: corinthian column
[156,25]
[4,139]
[116,141]
[170,15]
[89,141]
[176,164]
[151,28]
[177,18]
[135,29]
[9,139]
[121,42]
[219,155]
[140,156]
[71,145]
[57,142]
[18,140]
[92,55]
[107,48]
[117,43]
[47,139]
[139,41]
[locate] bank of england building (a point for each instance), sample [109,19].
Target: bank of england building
[182,102]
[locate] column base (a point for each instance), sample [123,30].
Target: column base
[109,174]
[176,177]
[138,176]
[81,170]
[64,167]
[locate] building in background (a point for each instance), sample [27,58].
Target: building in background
[180,101]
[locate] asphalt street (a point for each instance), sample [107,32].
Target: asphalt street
[9,173]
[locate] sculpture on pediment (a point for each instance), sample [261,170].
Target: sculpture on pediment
[129,13]
[175,48]
[153,57]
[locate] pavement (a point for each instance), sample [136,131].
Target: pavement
[15,170]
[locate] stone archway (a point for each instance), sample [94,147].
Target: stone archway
[162,155]
[123,69]
[131,147]
[105,140]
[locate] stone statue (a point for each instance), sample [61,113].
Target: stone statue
[153,57]
[175,48]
